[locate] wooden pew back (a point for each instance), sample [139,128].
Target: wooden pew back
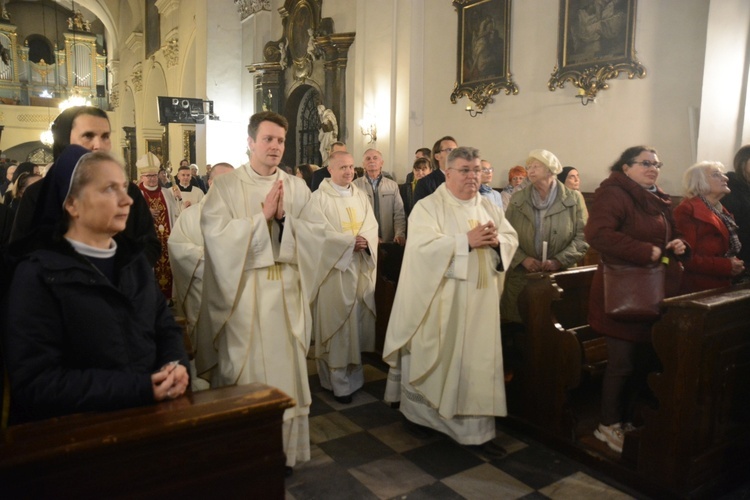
[222,440]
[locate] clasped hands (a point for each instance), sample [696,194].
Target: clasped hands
[533,265]
[484,235]
[273,207]
[170,382]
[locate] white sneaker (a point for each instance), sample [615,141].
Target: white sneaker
[610,434]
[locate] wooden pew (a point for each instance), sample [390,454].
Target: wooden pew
[697,443]
[224,440]
[699,438]
[558,346]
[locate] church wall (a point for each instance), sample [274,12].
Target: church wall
[725,118]
[223,78]
[662,109]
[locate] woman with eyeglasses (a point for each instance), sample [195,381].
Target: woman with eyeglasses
[630,223]
[549,219]
[709,229]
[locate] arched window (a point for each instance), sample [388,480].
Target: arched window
[40,48]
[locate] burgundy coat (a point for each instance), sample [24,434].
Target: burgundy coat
[708,237]
[625,221]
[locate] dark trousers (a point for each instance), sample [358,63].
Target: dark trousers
[628,366]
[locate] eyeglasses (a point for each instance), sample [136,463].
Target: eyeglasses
[488,170]
[648,164]
[466,171]
[446,150]
[150,175]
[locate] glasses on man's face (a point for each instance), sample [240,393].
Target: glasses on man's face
[488,170]
[648,164]
[447,150]
[150,176]
[466,171]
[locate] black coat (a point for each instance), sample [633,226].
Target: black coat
[74,342]
[428,184]
[738,204]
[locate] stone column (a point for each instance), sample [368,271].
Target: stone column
[335,49]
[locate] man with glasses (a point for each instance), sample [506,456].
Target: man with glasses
[443,339]
[440,152]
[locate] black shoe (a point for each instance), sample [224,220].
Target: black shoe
[416,430]
[493,450]
[344,400]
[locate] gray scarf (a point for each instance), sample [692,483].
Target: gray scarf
[539,207]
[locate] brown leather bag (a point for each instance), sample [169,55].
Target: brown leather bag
[634,293]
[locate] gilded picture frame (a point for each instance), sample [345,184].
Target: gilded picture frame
[596,43]
[155,146]
[483,68]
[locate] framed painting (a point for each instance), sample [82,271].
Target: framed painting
[483,51]
[596,42]
[155,146]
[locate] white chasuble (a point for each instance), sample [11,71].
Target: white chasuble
[446,315]
[342,281]
[254,325]
[186,260]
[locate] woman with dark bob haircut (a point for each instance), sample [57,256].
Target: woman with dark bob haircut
[87,328]
[630,222]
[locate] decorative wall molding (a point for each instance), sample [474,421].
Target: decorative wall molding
[114,96]
[172,49]
[134,42]
[166,7]
[136,79]
[247,8]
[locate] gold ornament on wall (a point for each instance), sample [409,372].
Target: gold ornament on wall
[596,43]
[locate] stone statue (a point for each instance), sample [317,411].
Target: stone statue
[329,132]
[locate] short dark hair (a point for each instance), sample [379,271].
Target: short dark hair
[63,126]
[425,152]
[436,149]
[628,156]
[183,167]
[337,143]
[422,161]
[740,160]
[265,116]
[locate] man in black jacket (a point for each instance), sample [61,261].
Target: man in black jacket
[440,151]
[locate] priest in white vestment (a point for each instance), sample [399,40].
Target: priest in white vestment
[342,267]
[254,325]
[186,259]
[443,339]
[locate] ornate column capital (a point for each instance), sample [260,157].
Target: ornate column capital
[247,8]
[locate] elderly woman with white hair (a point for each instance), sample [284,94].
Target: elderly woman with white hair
[709,229]
[549,219]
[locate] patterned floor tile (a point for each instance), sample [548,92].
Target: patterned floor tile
[319,407]
[537,466]
[391,476]
[372,415]
[395,436]
[443,458]
[329,482]
[486,481]
[431,492]
[581,486]
[331,426]
[356,449]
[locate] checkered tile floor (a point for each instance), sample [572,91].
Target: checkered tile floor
[362,451]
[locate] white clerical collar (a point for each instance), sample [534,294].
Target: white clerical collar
[94,252]
[343,191]
[149,188]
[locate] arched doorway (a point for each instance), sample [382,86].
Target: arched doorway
[301,111]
